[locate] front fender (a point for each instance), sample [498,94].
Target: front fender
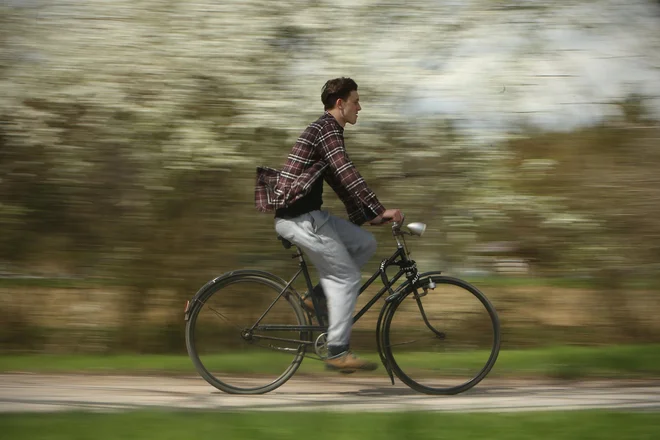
[407,284]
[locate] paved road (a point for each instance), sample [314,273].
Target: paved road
[29,392]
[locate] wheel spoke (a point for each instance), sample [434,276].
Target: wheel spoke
[432,338]
[224,317]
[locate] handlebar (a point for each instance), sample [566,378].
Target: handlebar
[395,226]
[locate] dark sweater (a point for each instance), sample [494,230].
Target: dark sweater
[310,202]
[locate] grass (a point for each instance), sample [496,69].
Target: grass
[602,425]
[631,361]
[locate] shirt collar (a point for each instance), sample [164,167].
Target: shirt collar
[327,115]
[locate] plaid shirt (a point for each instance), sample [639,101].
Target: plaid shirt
[318,152]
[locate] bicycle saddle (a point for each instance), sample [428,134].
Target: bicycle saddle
[286,243]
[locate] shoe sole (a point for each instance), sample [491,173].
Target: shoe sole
[348,370]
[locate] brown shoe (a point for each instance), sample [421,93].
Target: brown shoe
[320,297]
[309,305]
[348,363]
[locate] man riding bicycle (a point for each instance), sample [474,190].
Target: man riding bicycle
[337,248]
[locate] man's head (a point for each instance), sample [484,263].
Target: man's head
[341,99]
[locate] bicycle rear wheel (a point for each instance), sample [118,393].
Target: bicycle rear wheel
[443,340]
[228,350]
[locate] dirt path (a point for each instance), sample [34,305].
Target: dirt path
[31,392]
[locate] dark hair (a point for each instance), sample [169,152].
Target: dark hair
[335,89]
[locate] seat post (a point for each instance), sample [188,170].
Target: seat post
[299,254]
[287,245]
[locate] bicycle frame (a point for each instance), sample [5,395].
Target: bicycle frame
[406,267]
[416,286]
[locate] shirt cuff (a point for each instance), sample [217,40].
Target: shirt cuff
[376,209]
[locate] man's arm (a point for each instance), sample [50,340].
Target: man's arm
[355,212]
[389,215]
[348,177]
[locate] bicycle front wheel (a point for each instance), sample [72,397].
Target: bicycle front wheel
[442,340]
[237,335]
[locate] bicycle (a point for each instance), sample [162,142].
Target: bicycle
[434,371]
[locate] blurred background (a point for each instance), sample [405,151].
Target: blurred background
[524,134]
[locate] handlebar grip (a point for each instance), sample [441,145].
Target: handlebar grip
[383,221]
[397,225]
[386,219]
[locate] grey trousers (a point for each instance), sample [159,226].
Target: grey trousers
[338,249]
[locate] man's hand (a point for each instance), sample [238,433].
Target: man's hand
[388,216]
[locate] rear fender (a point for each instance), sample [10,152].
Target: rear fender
[226,277]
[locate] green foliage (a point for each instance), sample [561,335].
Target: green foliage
[129,141]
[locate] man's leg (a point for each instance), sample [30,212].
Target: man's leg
[360,244]
[340,276]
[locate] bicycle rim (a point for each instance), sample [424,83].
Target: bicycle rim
[228,358]
[450,352]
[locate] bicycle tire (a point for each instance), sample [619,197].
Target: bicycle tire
[265,281]
[387,343]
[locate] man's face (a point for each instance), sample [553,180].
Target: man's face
[351,107]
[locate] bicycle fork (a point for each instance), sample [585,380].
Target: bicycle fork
[382,337]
